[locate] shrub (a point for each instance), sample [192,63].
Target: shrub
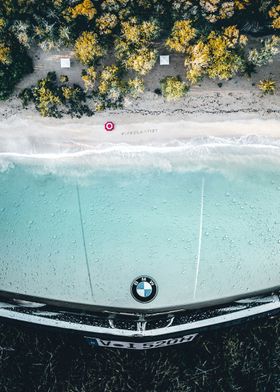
[52,99]
[264,55]
[267,86]
[173,88]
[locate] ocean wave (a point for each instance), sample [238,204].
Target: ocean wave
[226,155]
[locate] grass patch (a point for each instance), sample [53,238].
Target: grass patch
[241,358]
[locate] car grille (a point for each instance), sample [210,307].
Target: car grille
[136,324]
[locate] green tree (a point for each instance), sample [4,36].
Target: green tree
[264,55]
[14,66]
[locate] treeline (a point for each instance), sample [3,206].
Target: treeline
[212,35]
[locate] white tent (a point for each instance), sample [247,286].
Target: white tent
[164,60]
[65,62]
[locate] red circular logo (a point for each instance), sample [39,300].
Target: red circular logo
[109,126]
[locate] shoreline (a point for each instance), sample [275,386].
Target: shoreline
[148,120]
[35,135]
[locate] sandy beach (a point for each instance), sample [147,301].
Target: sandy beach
[237,109]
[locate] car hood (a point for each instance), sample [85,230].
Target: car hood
[203,237]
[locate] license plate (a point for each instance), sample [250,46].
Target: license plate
[139,345]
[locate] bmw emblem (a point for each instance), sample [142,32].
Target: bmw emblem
[144,289]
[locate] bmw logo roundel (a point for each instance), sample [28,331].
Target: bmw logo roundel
[144,289]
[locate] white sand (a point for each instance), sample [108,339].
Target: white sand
[35,135]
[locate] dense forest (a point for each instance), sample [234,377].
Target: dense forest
[210,35]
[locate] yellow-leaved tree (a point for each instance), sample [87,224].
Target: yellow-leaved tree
[215,55]
[85,8]
[133,48]
[111,88]
[5,54]
[215,10]
[87,48]
[181,35]
[135,87]
[173,88]
[106,23]
[141,61]
[46,99]
[89,78]
[274,14]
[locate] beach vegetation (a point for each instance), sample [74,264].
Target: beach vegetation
[84,9]
[106,23]
[264,55]
[136,87]
[14,65]
[274,14]
[89,76]
[173,88]
[217,55]
[111,88]
[210,37]
[181,35]
[267,86]
[5,54]
[53,99]
[87,48]
[63,79]
[133,47]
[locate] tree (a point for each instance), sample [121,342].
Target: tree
[63,79]
[45,33]
[173,88]
[141,61]
[181,35]
[217,56]
[89,78]
[85,8]
[114,5]
[133,46]
[274,14]
[264,55]
[267,86]
[52,99]
[14,64]
[215,10]
[210,10]
[87,48]
[46,97]
[111,88]
[20,31]
[5,54]
[106,23]
[135,87]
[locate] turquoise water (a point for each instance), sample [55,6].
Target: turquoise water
[201,234]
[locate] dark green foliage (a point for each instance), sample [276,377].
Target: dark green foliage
[26,96]
[158,91]
[54,99]
[11,74]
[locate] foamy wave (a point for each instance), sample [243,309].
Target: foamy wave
[226,155]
